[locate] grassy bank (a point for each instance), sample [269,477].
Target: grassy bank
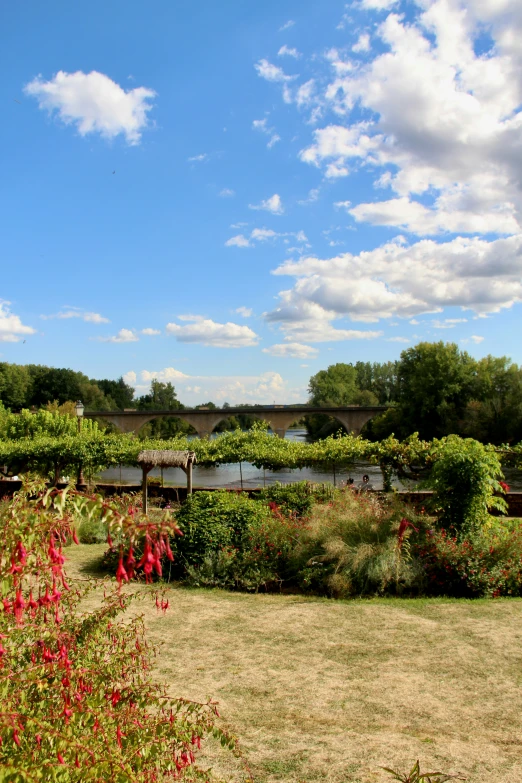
[331,690]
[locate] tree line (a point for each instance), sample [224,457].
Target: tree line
[434,389]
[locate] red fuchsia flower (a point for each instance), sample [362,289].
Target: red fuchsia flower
[147,561]
[164,605]
[121,573]
[130,563]
[119,736]
[505,487]
[3,651]
[196,740]
[403,526]
[15,568]
[77,762]
[7,606]
[60,758]
[38,738]
[32,604]
[16,738]
[21,553]
[109,540]
[19,606]
[157,562]
[168,550]
[115,698]
[75,536]
[55,595]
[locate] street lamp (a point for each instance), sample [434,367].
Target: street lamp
[79,409]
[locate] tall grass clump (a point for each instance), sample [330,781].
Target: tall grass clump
[358,545]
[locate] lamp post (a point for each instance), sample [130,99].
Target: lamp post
[79,409]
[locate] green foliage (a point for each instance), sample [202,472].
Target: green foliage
[298,498]
[214,521]
[465,477]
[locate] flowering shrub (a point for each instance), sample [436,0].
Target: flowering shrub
[488,563]
[77,699]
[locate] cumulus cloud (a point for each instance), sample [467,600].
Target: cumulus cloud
[292,350]
[286,51]
[272,204]
[123,336]
[150,332]
[448,323]
[207,332]
[246,312]
[313,195]
[193,389]
[442,123]
[397,280]
[272,73]
[94,103]
[363,43]
[475,338]
[263,127]
[11,327]
[264,235]
[93,318]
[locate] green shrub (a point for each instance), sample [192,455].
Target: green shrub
[213,521]
[358,545]
[297,498]
[465,477]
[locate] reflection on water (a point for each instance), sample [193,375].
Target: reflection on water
[249,476]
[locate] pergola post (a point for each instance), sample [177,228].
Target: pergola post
[189,476]
[145,469]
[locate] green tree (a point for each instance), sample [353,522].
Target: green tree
[162,397]
[436,382]
[119,392]
[336,385]
[495,413]
[15,385]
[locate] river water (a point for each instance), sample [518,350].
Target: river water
[248,476]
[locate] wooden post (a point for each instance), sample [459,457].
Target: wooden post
[189,476]
[145,471]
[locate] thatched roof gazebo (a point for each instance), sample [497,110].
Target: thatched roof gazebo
[165,459]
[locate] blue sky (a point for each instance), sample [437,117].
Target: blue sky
[233,195]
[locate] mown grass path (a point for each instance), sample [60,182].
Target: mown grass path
[320,690]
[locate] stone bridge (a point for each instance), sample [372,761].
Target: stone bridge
[279,418]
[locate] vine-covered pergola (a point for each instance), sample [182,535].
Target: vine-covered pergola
[165,459]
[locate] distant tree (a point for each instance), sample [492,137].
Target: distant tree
[119,392]
[336,385]
[15,386]
[436,383]
[162,397]
[494,415]
[381,379]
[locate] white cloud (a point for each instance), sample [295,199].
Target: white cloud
[94,103]
[123,336]
[11,327]
[292,350]
[442,123]
[150,332]
[208,332]
[475,338]
[265,235]
[246,312]
[194,389]
[288,52]
[238,241]
[93,318]
[363,43]
[272,204]
[286,25]
[227,193]
[313,195]
[448,323]
[201,158]
[378,5]
[405,281]
[130,378]
[262,125]
[272,73]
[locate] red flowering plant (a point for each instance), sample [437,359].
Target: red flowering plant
[77,700]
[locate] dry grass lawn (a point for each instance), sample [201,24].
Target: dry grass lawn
[332,690]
